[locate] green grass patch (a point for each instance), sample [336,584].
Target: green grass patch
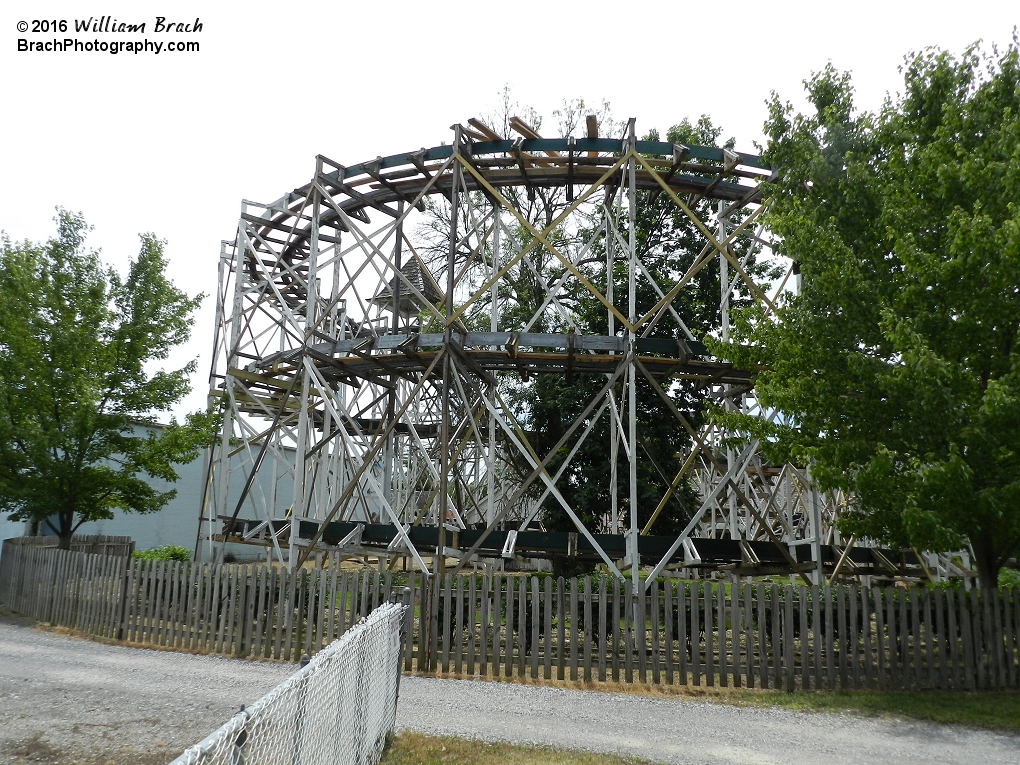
[993,710]
[418,749]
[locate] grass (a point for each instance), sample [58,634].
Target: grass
[418,749]
[990,710]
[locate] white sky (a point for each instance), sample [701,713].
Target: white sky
[171,143]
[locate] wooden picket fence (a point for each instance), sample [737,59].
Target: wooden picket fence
[743,633]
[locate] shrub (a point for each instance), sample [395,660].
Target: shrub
[167,552]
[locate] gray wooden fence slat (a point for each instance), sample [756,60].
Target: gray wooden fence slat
[522,625]
[709,628]
[458,645]
[882,637]
[494,625]
[508,627]
[788,659]
[805,640]
[952,637]
[854,638]
[573,628]
[483,629]
[736,630]
[829,639]
[841,639]
[967,641]
[695,638]
[682,603]
[916,648]
[561,611]
[667,626]
[976,652]
[654,613]
[536,601]
[446,623]
[721,632]
[899,619]
[1007,620]
[748,619]
[615,646]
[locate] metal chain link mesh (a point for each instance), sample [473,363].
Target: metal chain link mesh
[338,709]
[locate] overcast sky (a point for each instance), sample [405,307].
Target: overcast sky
[171,143]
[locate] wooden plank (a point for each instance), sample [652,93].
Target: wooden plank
[1007,623]
[696,631]
[916,648]
[941,640]
[777,644]
[953,637]
[682,603]
[880,640]
[279,611]
[748,619]
[458,643]
[903,638]
[979,654]
[548,628]
[262,574]
[497,622]
[508,642]
[735,629]
[805,643]
[311,610]
[536,600]
[870,676]
[616,630]
[931,674]
[967,638]
[854,638]
[996,635]
[472,619]
[560,628]
[817,637]
[602,646]
[640,630]
[788,676]
[722,632]
[363,597]
[841,638]
[573,628]
[667,624]
[483,637]
[324,608]
[522,624]
[233,586]
[710,633]
[447,622]
[762,614]
[656,667]
[830,624]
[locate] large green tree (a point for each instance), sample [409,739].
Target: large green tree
[77,346]
[895,370]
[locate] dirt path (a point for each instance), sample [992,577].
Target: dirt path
[67,700]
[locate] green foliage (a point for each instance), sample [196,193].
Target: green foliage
[77,343]
[1009,578]
[896,368]
[166,552]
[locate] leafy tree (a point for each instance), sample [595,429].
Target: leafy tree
[896,368]
[76,344]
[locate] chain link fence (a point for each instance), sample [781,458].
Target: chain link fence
[336,710]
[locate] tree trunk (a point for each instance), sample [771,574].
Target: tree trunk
[987,559]
[64,542]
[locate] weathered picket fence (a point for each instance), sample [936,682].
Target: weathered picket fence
[750,633]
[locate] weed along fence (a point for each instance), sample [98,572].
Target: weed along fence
[744,633]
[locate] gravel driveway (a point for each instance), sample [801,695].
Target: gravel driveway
[67,700]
